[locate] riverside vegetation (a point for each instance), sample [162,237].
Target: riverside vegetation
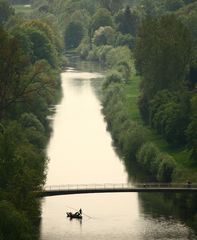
[30,60]
[149,102]
[149,96]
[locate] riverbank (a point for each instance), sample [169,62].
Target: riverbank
[142,149]
[137,142]
[121,110]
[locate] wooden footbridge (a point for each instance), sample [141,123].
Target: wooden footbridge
[117,188]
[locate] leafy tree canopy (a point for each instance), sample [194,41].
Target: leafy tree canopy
[164,50]
[111,5]
[104,36]
[5,11]
[73,34]
[128,21]
[173,5]
[101,18]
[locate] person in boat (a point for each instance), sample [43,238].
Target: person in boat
[80,211]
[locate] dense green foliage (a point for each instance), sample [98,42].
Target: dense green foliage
[29,82]
[191,131]
[163,63]
[73,34]
[127,21]
[5,11]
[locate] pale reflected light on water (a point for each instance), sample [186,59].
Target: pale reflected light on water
[81,152]
[80,148]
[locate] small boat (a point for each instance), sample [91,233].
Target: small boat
[74,215]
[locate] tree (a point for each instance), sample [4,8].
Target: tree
[43,27]
[111,5]
[11,63]
[188,1]
[148,157]
[101,18]
[41,46]
[192,129]
[163,61]
[112,77]
[125,40]
[19,78]
[173,5]
[104,36]
[164,50]
[166,168]
[193,76]
[133,141]
[14,224]
[39,41]
[5,11]
[73,34]
[29,120]
[150,7]
[81,16]
[169,115]
[127,21]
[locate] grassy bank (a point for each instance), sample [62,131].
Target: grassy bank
[185,171]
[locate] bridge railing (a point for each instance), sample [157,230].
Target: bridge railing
[118,186]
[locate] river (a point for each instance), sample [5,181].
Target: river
[81,152]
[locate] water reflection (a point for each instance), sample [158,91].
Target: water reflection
[116,216]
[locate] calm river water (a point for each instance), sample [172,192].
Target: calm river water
[81,152]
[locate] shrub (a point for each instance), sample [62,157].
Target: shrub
[73,34]
[124,67]
[148,157]
[166,168]
[93,54]
[104,36]
[83,49]
[28,120]
[133,140]
[116,55]
[103,53]
[169,115]
[112,77]
[125,39]
[191,131]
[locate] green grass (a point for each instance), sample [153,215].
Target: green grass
[132,93]
[181,155]
[19,8]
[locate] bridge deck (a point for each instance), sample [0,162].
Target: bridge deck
[116,188]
